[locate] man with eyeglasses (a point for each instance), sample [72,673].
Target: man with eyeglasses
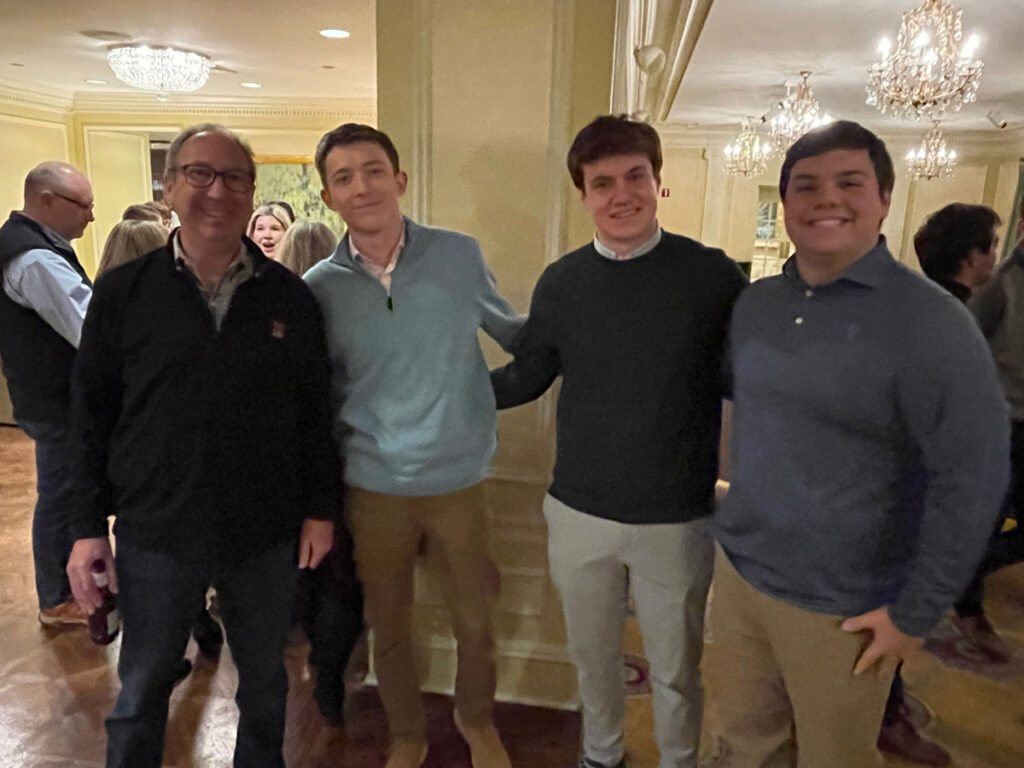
[42,306]
[202,421]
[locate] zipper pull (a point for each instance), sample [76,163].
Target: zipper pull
[391,304]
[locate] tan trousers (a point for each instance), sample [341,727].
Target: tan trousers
[388,532]
[780,684]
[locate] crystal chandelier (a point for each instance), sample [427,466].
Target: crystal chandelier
[748,154]
[931,160]
[930,72]
[164,70]
[798,113]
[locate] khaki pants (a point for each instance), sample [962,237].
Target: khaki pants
[780,683]
[387,533]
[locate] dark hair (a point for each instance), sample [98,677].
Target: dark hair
[842,134]
[949,235]
[353,133]
[288,209]
[610,135]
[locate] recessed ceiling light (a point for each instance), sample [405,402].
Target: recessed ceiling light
[334,33]
[17,64]
[251,85]
[106,35]
[326,66]
[92,81]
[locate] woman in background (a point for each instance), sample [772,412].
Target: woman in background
[128,240]
[267,226]
[304,244]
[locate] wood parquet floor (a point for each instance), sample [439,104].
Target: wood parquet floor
[56,687]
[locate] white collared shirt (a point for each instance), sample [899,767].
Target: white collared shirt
[382,274]
[646,247]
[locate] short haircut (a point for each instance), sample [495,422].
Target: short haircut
[610,135]
[949,235]
[129,240]
[305,244]
[49,176]
[268,209]
[842,134]
[353,133]
[174,151]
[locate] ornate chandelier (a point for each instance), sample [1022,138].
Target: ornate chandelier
[748,154]
[931,160]
[798,113]
[164,70]
[930,72]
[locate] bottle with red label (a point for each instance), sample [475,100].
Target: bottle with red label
[105,621]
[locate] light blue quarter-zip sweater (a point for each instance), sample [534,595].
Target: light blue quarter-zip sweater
[414,409]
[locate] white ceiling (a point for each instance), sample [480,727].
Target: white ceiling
[276,44]
[750,48]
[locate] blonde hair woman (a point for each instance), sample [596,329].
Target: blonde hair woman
[304,244]
[128,240]
[267,226]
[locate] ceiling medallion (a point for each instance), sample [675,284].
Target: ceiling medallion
[931,159]
[798,113]
[164,70]
[748,154]
[930,72]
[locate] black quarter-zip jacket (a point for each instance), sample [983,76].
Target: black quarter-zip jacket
[202,443]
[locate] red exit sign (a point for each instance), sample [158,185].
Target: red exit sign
[664,191]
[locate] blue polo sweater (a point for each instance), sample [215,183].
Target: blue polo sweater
[414,409]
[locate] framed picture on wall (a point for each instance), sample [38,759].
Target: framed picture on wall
[294,179]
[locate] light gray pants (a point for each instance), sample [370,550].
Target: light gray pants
[594,563]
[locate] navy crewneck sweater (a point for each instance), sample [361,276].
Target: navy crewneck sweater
[639,346]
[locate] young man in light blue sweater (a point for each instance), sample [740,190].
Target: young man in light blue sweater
[415,416]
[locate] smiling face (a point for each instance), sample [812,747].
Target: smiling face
[212,214]
[833,207]
[267,233]
[362,187]
[621,193]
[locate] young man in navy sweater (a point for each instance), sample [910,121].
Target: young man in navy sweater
[635,323]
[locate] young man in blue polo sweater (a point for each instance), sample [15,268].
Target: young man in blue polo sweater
[635,323]
[415,416]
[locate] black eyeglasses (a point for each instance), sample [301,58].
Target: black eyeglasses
[201,175]
[83,206]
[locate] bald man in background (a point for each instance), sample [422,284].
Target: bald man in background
[42,305]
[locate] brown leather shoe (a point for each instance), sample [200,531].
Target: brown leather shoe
[485,747]
[406,754]
[900,739]
[65,613]
[982,635]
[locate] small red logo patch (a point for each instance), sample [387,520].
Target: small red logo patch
[277,330]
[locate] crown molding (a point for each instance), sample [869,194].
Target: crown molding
[42,98]
[364,109]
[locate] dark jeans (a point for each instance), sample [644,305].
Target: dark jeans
[1007,548]
[160,597]
[51,540]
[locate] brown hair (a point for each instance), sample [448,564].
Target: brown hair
[610,135]
[128,240]
[304,244]
[842,134]
[353,133]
